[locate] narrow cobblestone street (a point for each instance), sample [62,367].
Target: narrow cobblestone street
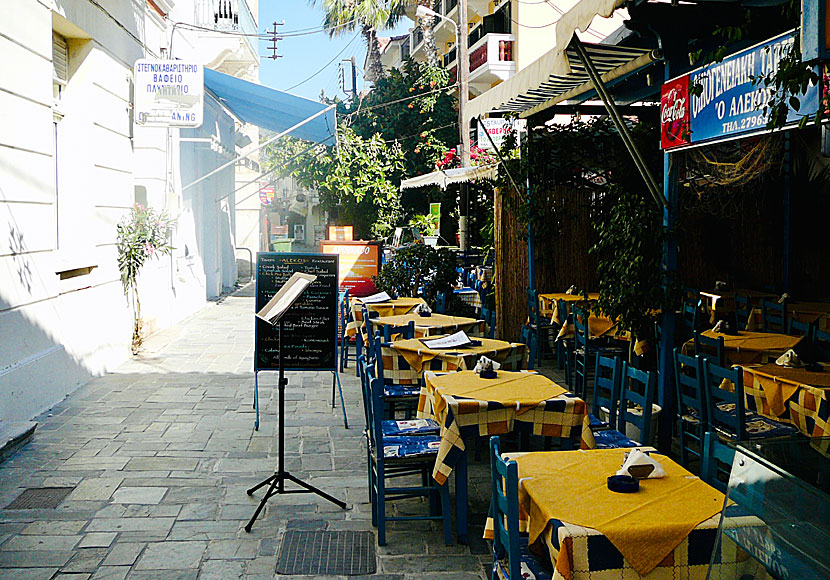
[159,454]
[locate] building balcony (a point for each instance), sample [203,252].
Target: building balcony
[229,16]
[491,61]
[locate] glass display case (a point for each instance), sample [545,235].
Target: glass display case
[778,510]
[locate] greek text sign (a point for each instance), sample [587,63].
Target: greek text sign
[169,93]
[498,130]
[731,103]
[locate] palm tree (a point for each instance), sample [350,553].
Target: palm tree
[342,16]
[427,24]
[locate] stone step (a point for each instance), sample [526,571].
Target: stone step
[13,436]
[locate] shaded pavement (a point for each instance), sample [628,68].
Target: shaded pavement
[156,459]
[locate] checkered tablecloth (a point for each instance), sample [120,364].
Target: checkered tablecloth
[469,296]
[579,553]
[563,416]
[791,400]
[433,325]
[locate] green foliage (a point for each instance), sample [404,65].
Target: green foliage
[424,223]
[418,270]
[357,181]
[141,235]
[629,248]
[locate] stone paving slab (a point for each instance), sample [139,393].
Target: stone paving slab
[162,451]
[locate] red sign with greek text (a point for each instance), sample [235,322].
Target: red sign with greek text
[674,113]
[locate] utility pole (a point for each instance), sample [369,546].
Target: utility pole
[463,68]
[273,40]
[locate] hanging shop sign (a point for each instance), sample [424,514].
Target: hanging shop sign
[359,263]
[169,93]
[731,102]
[498,129]
[435,219]
[266,195]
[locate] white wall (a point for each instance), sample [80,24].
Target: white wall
[65,185]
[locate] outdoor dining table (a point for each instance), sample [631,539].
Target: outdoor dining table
[549,302]
[433,324]
[512,356]
[791,395]
[815,313]
[468,296]
[393,307]
[747,347]
[665,530]
[464,404]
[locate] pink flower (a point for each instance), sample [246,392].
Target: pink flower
[149,249]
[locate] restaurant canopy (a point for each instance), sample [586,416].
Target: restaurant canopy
[272,109]
[443,178]
[559,74]
[268,108]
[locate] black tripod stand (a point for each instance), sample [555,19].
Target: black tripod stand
[277,481]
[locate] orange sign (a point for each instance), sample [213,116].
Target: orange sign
[341,233]
[359,261]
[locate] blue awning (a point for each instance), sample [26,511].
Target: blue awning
[271,109]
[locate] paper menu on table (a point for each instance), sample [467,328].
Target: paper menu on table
[375,298]
[285,297]
[456,340]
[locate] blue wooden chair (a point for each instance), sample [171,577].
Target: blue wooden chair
[716,461]
[606,395]
[403,332]
[542,327]
[346,341]
[691,314]
[511,556]
[399,396]
[725,409]
[489,316]
[821,344]
[691,406]
[638,390]
[710,348]
[528,337]
[416,455]
[580,355]
[441,302]
[743,308]
[796,328]
[773,316]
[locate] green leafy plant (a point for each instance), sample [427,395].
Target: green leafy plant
[141,235]
[418,270]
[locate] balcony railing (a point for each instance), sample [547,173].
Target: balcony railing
[491,49]
[498,23]
[228,16]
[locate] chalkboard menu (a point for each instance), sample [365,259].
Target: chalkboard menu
[310,325]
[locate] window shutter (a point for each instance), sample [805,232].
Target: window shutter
[60,59]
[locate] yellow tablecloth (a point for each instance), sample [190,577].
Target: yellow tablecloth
[750,347]
[570,486]
[789,395]
[548,303]
[394,307]
[435,324]
[464,403]
[417,355]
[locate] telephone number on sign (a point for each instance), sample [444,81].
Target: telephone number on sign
[752,122]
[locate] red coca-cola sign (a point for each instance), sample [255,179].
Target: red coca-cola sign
[674,113]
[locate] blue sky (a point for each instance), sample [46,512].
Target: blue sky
[302,56]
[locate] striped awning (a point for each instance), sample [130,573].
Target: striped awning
[612,62]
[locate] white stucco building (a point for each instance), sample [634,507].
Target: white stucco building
[72,163]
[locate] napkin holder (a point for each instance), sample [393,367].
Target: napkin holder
[486,368]
[789,359]
[623,484]
[641,466]
[423,310]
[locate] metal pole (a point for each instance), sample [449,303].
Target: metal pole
[258,147]
[354,81]
[787,210]
[463,67]
[619,123]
